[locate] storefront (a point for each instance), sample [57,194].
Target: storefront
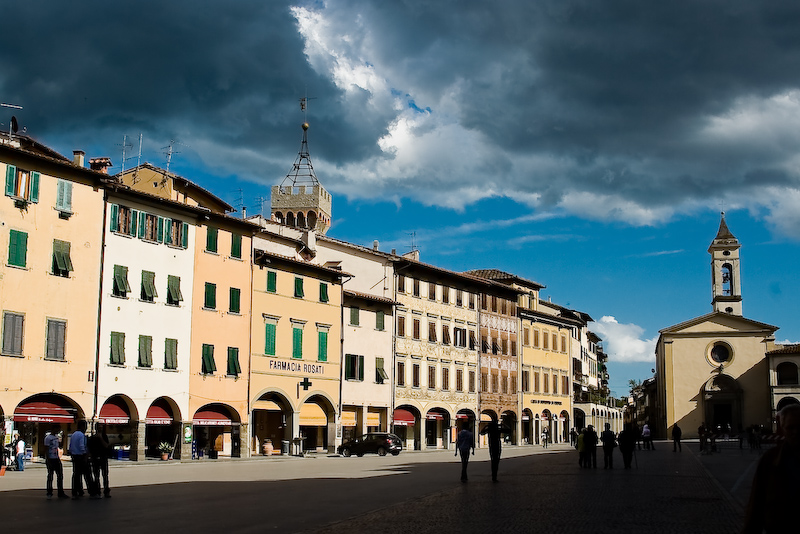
[216,432]
[313,427]
[162,425]
[270,424]
[405,427]
[36,416]
[115,414]
[437,429]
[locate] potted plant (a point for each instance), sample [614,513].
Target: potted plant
[165,449]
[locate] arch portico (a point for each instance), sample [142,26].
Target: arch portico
[272,419]
[407,424]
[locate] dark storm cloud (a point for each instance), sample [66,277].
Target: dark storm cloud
[614,98]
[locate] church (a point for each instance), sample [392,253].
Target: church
[714,369]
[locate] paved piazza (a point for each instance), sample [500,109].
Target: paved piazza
[539,491]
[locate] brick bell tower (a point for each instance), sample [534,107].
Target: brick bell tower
[300,200]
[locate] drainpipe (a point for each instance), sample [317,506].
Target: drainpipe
[478,375]
[250,426]
[100,306]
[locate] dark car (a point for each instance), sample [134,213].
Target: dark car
[377,442]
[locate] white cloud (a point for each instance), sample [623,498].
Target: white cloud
[623,342]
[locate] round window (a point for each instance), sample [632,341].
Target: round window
[720,353]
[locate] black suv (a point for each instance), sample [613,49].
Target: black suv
[377,442]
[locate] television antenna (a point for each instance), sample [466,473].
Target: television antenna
[125,145]
[13,126]
[170,151]
[413,240]
[261,201]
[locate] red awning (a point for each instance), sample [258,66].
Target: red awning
[434,415]
[462,416]
[403,417]
[158,415]
[44,412]
[114,412]
[211,417]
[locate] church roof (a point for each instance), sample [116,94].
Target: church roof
[724,232]
[709,317]
[724,236]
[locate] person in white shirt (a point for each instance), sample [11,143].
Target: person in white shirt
[53,462]
[20,452]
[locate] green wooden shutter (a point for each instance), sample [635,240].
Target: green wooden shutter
[170,353]
[117,348]
[272,281]
[11,180]
[211,296]
[208,360]
[269,347]
[133,221]
[234,300]
[297,342]
[185,235]
[211,239]
[168,238]
[142,224]
[60,186]
[236,246]
[361,368]
[17,248]
[174,289]
[114,218]
[354,312]
[379,320]
[298,287]
[323,292]
[34,195]
[149,285]
[322,337]
[67,196]
[160,230]
[145,351]
[233,362]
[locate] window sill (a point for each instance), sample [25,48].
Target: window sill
[144,368]
[20,267]
[171,305]
[148,301]
[208,309]
[57,360]
[60,275]
[123,234]
[123,297]
[237,314]
[117,365]
[64,214]
[234,377]
[234,258]
[170,370]
[20,203]
[212,252]
[10,355]
[177,247]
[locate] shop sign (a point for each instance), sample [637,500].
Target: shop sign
[297,367]
[187,433]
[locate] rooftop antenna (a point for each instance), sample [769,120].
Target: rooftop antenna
[138,160]
[13,126]
[240,200]
[125,145]
[170,152]
[261,201]
[413,240]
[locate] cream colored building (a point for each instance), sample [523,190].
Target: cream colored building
[713,369]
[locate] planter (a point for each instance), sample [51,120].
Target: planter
[165,456]
[268,448]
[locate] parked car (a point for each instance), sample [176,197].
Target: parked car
[377,442]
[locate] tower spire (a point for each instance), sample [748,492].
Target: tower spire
[726,285]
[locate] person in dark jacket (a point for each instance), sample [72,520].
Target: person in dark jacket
[627,444]
[676,438]
[495,432]
[609,440]
[590,443]
[98,450]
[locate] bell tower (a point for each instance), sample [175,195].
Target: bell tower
[726,282]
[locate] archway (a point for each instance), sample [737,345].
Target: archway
[272,416]
[579,417]
[406,425]
[563,419]
[301,220]
[548,426]
[786,401]
[722,403]
[509,420]
[464,416]
[437,425]
[290,221]
[278,216]
[317,424]
[311,219]
[163,423]
[121,420]
[40,413]
[527,427]
[216,431]
[786,374]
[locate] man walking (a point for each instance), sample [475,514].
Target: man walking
[609,441]
[494,432]
[20,452]
[98,450]
[676,438]
[80,462]
[465,442]
[53,463]
[590,444]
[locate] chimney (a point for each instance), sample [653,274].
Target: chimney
[375,245]
[78,157]
[394,252]
[100,164]
[244,212]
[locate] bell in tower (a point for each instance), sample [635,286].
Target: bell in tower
[725,280]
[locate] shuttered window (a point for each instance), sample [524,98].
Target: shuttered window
[210,301]
[401,326]
[18,248]
[56,339]
[174,295]
[117,348]
[121,286]
[379,320]
[353,367]
[235,297]
[64,196]
[298,287]
[354,315]
[297,342]
[236,246]
[148,286]
[13,324]
[170,353]
[380,373]
[62,263]
[145,351]
[323,292]
[446,334]
[208,360]
[233,362]
[459,380]
[322,344]
[432,332]
[211,238]
[416,329]
[22,184]
[272,279]
[401,374]
[269,347]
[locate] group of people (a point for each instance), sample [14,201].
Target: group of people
[465,442]
[587,440]
[89,462]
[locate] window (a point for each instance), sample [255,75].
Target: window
[236,247]
[272,279]
[504,345]
[459,337]
[13,324]
[471,301]
[432,331]
[503,306]
[401,283]
[415,375]
[298,287]
[546,382]
[379,320]
[22,184]
[536,382]
[526,336]
[504,384]
[176,233]
[513,384]
[484,382]
[208,365]
[233,362]
[210,301]
[401,373]
[174,295]
[353,367]
[445,378]
[446,334]
[123,220]
[121,286]
[563,343]
[234,300]
[170,354]
[536,337]
[526,381]
[401,326]
[445,295]
[354,315]
[269,334]
[148,293]
[495,383]
[494,303]
[431,377]
[151,227]
[62,263]
[145,351]
[554,337]
[484,301]
[323,292]
[64,196]
[416,329]
[416,287]
[380,372]
[212,235]
[720,353]
[555,384]
[564,385]
[459,298]
[546,340]
[117,348]
[431,291]
[472,381]
[56,339]
[17,248]
[459,380]
[322,345]
[787,374]
[297,341]
[513,348]
[473,343]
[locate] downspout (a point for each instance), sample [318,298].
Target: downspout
[478,374]
[100,306]
[392,404]
[250,426]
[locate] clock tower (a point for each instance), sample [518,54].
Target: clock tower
[726,282]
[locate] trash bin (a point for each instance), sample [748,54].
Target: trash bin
[285,447]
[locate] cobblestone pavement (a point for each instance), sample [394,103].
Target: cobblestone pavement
[666,492]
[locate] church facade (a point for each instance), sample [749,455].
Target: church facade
[714,369]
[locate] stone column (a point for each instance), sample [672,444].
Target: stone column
[186,448]
[244,440]
[137,441]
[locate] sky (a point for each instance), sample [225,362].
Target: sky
[587,146]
